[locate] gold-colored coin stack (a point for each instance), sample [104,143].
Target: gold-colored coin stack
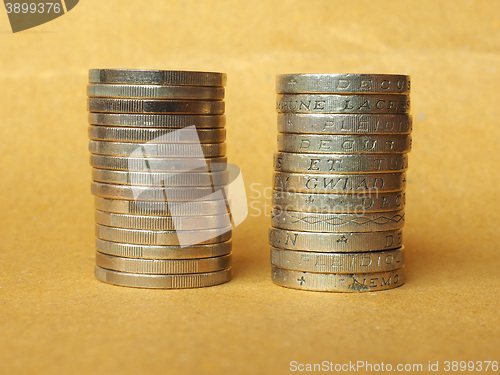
[157,143]
[339,181]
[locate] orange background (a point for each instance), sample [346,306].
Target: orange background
[55,318]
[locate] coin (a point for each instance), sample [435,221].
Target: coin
[191,107]
[163,281]
[320,123]
[159,208]
[339,203]
[339,183]
[330,103]
[330,282]
[163,266]
[191,222]
[335,242]
[160,178]
[154,91]
[317,262]
[163,252]
[343,83]
[165,121]
[340,163]
[329,143]
[156,237]
[157,77]
[196,165]
[179,194]
[152,150]
[164,136]
[325,223]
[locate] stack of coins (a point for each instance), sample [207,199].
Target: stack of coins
[157,143]
[339,181]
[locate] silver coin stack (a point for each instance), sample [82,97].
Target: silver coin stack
[339,181]
[157,143]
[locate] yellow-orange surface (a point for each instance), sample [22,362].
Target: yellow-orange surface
[56,318]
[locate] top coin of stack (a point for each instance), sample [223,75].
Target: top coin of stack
[157,143]
[338,203]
